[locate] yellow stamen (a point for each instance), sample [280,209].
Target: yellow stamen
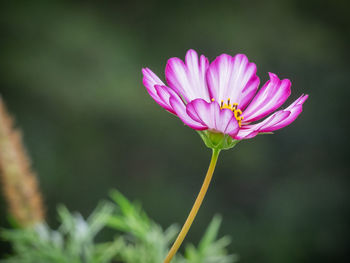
[234,107]
[212,99]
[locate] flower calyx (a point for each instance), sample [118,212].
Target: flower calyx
[217,140]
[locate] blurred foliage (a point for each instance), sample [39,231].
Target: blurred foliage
[209,249]
[139,239]
[71,77]
[146,242]
[72,242]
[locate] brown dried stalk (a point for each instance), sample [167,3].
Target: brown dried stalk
[19,182]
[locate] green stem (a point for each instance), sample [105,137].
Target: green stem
[180,238]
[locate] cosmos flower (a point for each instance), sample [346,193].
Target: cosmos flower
[223,97]
[222,102]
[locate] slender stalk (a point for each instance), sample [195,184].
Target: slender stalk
[180,238]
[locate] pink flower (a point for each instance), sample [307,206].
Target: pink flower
[223,97]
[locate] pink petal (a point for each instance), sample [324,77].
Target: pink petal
[299,101]
[271,121]
[164,94]
[294,109]
[250,131]
[210,115]
[150,80]
[232,78]
[180,109]
[188,79]
[274,122]
[269,98]
[246,133]
[293,114]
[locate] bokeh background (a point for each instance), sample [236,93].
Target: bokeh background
[71,75]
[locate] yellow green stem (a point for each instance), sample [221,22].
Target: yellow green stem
[180,238]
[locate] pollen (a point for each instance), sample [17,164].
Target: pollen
[233,107]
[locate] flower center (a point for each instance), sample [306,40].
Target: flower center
[233,107]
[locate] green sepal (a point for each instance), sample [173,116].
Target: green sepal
[216,140]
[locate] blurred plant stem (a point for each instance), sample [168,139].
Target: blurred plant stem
[186,227]
[19,182]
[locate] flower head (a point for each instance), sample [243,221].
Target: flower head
[221,99]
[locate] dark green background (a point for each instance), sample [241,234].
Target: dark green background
[71,75]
